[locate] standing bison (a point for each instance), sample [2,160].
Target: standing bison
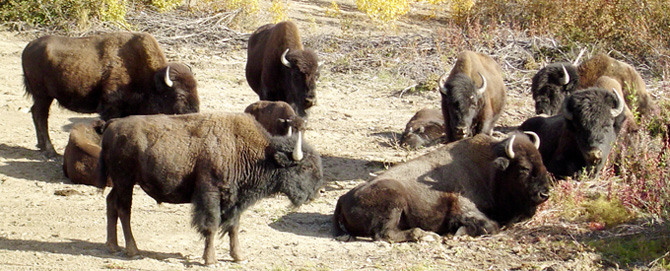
[425,128]
[466,187]
[280,69]
[278,118]
[82,152]
[473,96]
[582,135]
[222,164]
[630,80]
[551,84]
[115,74]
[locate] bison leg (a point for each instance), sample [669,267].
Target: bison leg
[388,230]
[40,111]
[112,218]
[124,201]
[207,218]
[233,233]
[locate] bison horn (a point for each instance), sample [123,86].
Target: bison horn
[482,89]
[290,131]
[535,138]
[441,82]
[508,149]
[620,103]
[284,60]
[168,82]
[566,76]
[297,152]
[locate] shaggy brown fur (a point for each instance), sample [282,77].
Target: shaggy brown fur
[465,112]
[114,74]
[276,117]
[82,152]
[611,84]
[424,129]
[221,163]
[274,81]
[631,81]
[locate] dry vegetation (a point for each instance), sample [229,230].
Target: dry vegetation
[615,220]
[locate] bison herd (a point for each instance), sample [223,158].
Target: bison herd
[152,135]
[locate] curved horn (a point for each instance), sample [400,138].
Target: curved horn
[620,104]
[482,89]
[536,139]
[441,82]
[508,149]
[297,152]
[284,60]
[290,131]
[566,76]
[168,82]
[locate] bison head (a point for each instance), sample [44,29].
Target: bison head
[300,174]
[550,86]
[594,116]
[301,74]
[176,92]
[422,133]
[522,181]
[461,102]
[292,124]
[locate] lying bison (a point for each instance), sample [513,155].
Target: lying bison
[466,187]
[630,80]
[222,164]
[425,128]
[280,69]
[581,136]
[278,118]
[468,109]
[82,152]
[115,74]
[551,84]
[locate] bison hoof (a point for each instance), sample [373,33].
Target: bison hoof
[429,237]
[113,248]
[345,238]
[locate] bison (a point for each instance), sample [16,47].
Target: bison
[280,69]
[471,186]
[609,83]
[467,109]
[114,74]
[628,78]
[278,118]
[425,128]
[551,84]
[221,163]
[581,136]
[82,152]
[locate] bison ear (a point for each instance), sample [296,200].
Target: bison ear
[501,163]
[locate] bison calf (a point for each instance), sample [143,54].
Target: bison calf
[221,163]
[114,74]
[473,96]
[82,152]
[469,186]
[278,118]
[424,129]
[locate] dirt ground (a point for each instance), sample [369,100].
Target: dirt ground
[47,223]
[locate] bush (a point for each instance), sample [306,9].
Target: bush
[62,13]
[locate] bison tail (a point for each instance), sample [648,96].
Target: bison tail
[101,169]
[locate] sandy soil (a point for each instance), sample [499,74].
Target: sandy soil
[47,223]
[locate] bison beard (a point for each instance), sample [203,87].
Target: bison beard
[114,74]
[222,164]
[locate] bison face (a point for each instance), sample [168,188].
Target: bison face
[522,180]
[303,72]
[550,86]
[422,134]
[593,116]
[300,176]
[460,105]
[176,92]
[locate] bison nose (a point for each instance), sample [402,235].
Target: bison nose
[542,196]
[594,156]
[310,101]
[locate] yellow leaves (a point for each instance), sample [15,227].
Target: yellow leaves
[279,10]
[384,10]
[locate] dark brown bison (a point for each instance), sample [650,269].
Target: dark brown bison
[551,84]
[115,74]
[630,80]
[280,69]
[82,152]
[581,136]
[425,128]
[222,164]
[473,96]
[469,186]
[278,118]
